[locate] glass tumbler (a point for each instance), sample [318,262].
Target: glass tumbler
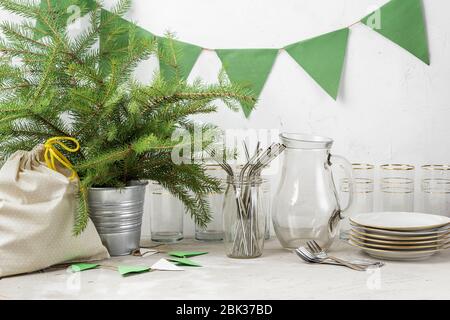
[267,200]
[397,187]
[244,218]
[436,189]
[214,230]
[166,216]
[363,193]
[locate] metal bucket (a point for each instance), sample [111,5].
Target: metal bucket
[117,216]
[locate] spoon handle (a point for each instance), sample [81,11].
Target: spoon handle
[348,264]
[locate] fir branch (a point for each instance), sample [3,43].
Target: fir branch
[104,159]
[124,128]
[82,216]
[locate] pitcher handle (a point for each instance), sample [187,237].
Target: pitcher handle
[348,170]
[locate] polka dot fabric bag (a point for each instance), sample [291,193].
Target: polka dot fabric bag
[37,209]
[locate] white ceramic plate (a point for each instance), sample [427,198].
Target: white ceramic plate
[433,233]
[396,255]
[395,237]
[364,238]
[398,247]
[400,221]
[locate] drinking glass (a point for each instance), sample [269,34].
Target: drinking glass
[397,187]
[267,202]
[363,193]
[244,218]
[166,216]
[436,189]
[214,230]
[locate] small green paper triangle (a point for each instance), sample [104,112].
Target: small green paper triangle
[186,254]
[249,68]
[185,262]
[115,35]
[127,270]
[177,58]
[46,5]
[83,267]
[323,58]
[402,21]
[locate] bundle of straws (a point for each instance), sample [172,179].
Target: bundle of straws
[246,192]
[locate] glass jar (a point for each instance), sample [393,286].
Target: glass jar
[166,216]
[244,218]
[267,199]
[214,230]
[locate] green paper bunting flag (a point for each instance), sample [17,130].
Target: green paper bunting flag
[249,68]
[83,267]
[185,262]
[323,58]
[176,58]
[402,21]
[186,254]
[129,270]
[72,8]
[114,37]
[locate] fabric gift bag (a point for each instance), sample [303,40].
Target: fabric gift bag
[37,208]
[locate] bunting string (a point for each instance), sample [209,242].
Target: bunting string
[322,57]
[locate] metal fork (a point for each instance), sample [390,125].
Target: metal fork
[309,257]
[321,254]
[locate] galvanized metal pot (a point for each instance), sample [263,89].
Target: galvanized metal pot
[117,216]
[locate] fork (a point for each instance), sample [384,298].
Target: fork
[321,254]
[311,259]
[307,256]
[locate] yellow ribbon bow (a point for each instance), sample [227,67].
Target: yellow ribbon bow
[52,154]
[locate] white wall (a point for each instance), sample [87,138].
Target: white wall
[391,108]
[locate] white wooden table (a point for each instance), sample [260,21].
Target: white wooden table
[278,274]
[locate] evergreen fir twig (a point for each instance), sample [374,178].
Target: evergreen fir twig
[53,84]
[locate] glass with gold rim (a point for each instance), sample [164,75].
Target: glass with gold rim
[397,187]
[363,193]
[436,189]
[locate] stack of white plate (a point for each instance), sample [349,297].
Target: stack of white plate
[400,235]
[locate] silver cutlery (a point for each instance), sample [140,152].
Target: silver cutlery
[321,254]
[318,252]
[309,257]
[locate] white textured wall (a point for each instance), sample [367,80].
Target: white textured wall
[392,107]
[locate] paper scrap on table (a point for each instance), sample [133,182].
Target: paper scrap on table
[185,262]
[127,270]
[83,267]
[144,252]
[164,265]
[186,254]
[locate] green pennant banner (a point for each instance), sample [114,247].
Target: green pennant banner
[73,8]
[323,58]
[177,58]
[402,21]
[249,68]
[114,37]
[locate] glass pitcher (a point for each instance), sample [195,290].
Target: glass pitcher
[306,206]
